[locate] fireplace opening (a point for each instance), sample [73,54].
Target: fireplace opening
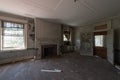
[49,51]
[117,57]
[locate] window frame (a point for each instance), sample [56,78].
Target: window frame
[101,41]
[24,35]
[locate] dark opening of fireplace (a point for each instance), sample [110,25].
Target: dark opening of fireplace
[117,57]
[49,50]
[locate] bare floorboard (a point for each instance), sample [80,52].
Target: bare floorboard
[73,66]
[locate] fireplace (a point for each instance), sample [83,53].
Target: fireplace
[49,50]
[117,57]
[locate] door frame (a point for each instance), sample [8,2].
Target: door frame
[109,30]
[99,33]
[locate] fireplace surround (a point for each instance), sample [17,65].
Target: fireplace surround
[48,50]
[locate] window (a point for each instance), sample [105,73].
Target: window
[99,40]
[12,36]
[65,38]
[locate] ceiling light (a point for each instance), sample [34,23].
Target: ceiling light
[75,0]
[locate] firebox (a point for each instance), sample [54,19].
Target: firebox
[49,50]
[117,57]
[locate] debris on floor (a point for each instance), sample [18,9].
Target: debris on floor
[117,66]
[54,70]
[119,73]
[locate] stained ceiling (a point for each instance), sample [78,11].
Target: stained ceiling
[63,11]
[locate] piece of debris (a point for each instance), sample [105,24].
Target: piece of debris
[71,71]
[55,70]
[96,56]
[119,73]
[118,67]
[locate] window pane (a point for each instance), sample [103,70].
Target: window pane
[64,38]
[13,42]
[13,36]
[99,40]
[13,32]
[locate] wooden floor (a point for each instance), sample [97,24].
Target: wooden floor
[73,66]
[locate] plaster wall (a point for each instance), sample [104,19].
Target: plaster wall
[13,56]
[116,28]
[113,24]
[16,55]
[47,33]
[78,31]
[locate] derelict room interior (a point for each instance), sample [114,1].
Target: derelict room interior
[59,39]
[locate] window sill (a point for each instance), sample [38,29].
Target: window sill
[13,50]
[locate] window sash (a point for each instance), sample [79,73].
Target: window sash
[12,32]
[99,39]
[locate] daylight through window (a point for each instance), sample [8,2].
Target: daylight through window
[12,36]
[99,40]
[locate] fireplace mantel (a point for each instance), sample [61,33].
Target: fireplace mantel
[46,41]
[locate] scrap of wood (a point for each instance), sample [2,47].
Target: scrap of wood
[55,70]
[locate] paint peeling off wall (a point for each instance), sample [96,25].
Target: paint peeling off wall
[83,40]
[12,56]
[47,33]
[16,55]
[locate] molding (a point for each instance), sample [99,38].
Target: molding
[102,23]
[100,20]
[13,19]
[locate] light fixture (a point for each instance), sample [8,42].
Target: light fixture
[75,0]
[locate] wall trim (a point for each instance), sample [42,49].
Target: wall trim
[103,23]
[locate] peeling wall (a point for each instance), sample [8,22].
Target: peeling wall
[78,32]
[47,33]
[16,55]
[112,24]
[13,56]
[116,27]
[68,47]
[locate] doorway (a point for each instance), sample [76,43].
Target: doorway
[100,44]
